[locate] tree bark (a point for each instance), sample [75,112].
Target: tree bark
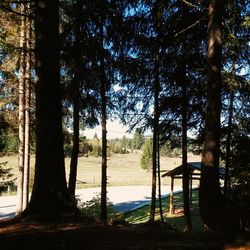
[27,113]
[21,115]
[76,102]
[50,198]
[210,196]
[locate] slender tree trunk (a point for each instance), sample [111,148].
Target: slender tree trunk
[76,102]
[104,130]
[27,113]
[156,89]
[50,198]
[228,143]
[185,174]
[21,115]
[154,170]
[210,196]
[75,149]
[155,136]
[159,178]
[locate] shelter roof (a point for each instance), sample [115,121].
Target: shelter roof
[192,166]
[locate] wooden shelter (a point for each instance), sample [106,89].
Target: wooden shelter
[194,169]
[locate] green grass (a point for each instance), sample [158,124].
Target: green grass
[123,169]
[176,220]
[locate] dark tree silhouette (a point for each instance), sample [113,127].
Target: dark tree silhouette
[76,99]
[211,203]
[50,198]
[103,90]
[185,177]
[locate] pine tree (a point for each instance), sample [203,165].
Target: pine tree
[103,89]
[50,198]
[76,99]
[211,204]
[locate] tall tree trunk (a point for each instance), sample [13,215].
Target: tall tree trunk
[27,113]
[50,198]
[185,174]
[154,169]
[210,196]
[104,129]
[159,178]
[75,148]
[76,102]
[21,115]
[155,134]
[228,143]
[156,89]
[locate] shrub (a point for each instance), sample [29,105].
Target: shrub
[67,150]
[12,144]
[6,177]
[146,158]
[92,208]
[9,143]
[96,150]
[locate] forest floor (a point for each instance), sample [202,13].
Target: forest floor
[76,236]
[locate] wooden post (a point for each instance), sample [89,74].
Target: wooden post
[171,196]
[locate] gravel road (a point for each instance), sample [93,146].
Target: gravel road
[124,198]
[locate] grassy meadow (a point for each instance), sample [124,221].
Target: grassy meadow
[123,169]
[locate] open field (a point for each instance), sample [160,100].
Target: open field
[123,169]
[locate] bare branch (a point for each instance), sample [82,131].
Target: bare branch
[190,4]
[191,26]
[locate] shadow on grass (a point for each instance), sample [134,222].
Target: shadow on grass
[176,220]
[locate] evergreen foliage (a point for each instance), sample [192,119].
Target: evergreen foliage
[146,158]
[6,177]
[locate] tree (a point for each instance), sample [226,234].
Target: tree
[103,89]
[185,174]
[27,113]
[147,152]
[210,197]
[50,198]
[138,139]
[6,177]
[76,99]
[24,107]
[21,116]
[156,89]
[9,80]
